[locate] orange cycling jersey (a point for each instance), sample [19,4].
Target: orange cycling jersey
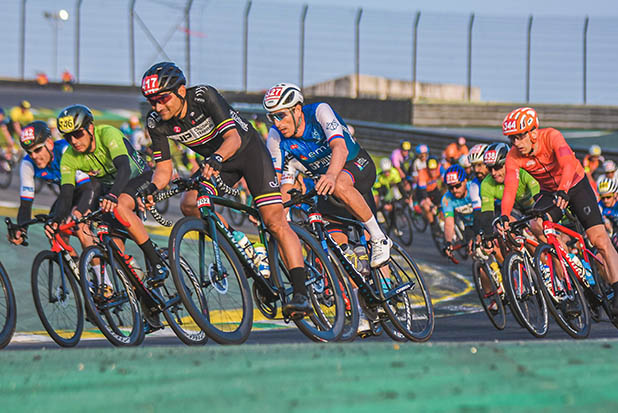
[553,164]
[454,151]
[591,164]
[428,179]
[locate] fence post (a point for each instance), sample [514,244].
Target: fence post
[414,49]
[22,41]
[528,60]
[132,40]
[359,14]
[585,56]
[188,40]
[245,44]
[78,10]
[301,63]
[470,25]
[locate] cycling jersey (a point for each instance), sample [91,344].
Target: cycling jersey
[398,160]
[20,116]
[591,165]
[385,182]
[322,126]
[553,165]
[429,179]
[464,207]
[453,151]
[109,144]
[611,212]
[29,171]
[417,166]
[207,119]
[492,192]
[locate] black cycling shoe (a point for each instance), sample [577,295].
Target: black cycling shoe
[614,307]
[298,307]
[572,308]
[152,318]
[158,273]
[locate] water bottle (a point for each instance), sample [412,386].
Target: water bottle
[261,259]
[495,267]
[579,267]
[243,242]
[588,273]
[363,260]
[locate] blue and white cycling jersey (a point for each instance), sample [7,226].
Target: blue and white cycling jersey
[29,171]
[464,207]
[322,126]
[609,212]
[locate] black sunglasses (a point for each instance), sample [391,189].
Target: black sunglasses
[495,167]
[456,186]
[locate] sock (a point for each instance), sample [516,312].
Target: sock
[97,272]
[298,277]
[150,254]
[374,229]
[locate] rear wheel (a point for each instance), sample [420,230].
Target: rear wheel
[488,293]
[57,299]
[8,310]
[402,227]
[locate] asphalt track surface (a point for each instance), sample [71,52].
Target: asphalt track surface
[459,317]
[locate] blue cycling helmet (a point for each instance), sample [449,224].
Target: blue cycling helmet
[420,149]
[454,175]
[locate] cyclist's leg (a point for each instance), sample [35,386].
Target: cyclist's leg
[85,199]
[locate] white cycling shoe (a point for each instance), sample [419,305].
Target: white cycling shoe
[380,252]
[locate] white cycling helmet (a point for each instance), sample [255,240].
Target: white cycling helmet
[595,150]
[607,186]
[464,161]
[385,164]
[609,166]
[476,153]
[282,96]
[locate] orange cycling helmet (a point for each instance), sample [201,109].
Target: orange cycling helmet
[520,120]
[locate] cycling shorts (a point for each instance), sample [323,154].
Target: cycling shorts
[85,197]
[435,195]
[582,202]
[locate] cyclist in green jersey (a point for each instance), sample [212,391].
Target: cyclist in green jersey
[106,155]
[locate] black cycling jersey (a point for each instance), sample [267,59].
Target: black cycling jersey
[207,119]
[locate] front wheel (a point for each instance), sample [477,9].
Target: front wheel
[8,310]
[402,226]
[489,295]
[57,299]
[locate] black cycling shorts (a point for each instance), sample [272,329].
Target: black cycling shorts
[85,197]
[137,184]
[582,202]
[255,164]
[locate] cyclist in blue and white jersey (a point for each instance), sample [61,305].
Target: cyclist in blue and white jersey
[43,161]
[317,137]
[462,198]
[608,191]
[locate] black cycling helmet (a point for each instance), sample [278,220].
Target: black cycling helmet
[34,134]
[74,117]
[495,154]
[162,77]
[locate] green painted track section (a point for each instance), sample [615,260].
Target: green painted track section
[359,377]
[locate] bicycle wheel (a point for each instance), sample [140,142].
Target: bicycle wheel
[6,173]
[600,291]
[8,310]
[411,311]
[117,311]
[57,299]
[482,276]
[350,300]
[326,321]
[419,222]
[577,325]
[526,300]
[176,314]
[219,301]
[402,227]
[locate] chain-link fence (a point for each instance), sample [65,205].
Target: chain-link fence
[244,45]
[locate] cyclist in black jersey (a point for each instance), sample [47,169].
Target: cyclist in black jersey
[201,119]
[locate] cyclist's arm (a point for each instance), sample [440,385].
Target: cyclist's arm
[566,159]
[26,195]
[475,196]
[511,182]
[231,144]
[449,219]
[488,202]
[334,136]
[222,115]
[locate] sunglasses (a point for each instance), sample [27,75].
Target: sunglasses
[495,167]
[514,138]
[159,99]
[36,150]
[607,196]
[456,186]
[278,116]
[78,134]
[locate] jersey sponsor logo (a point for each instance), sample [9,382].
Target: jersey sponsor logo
[27,135]
[195,132]
[530,163]
[274,184]
[149,84]
[234,115]
[361,163]
[294,146]
[153,119]
[332,125]
[177,129]
[320,163]
[466,209]
[44,173]
[27,188]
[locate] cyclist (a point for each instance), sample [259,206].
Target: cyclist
[20,116]
[317,137]
[476,160]
[386,185]
[43,161]
[200,118]
[428,191]
[5,135]
[463,199]
[107,156]
[453,151]
[464,162]
[545,154]
[593,160]
[609,207]
[609,172]
[401,156]
[422,153]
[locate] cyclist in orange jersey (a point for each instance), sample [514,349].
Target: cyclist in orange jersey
[545,154]
[454,150]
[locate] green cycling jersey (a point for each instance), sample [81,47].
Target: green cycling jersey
[109,143]
[524,198]
[386,181]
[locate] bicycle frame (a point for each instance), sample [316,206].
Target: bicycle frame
[63,251]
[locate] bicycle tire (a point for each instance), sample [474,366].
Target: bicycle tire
[417,321]
[578,330]
[498,317]
[403,227]
[324,293]
[419,222]
[176,314]
[352,314]
[59,308]
[600,289]
[525,297]
[8,308]
[110,314]
[222,310]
